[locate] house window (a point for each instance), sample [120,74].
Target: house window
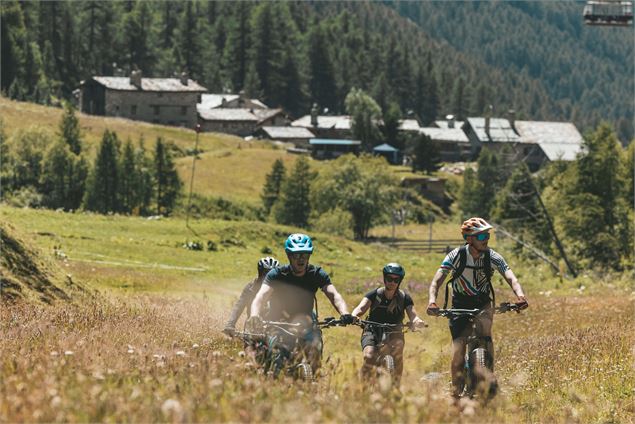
[156,109]
[183,110]
[133,110]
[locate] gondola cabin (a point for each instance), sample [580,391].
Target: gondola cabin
[608,12]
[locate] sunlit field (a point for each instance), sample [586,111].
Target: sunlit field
[148,347]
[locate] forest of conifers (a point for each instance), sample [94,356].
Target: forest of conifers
[428,58]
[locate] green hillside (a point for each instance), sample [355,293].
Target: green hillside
[587,71]
[427,58]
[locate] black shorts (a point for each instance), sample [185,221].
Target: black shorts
[370,338]
[461,326]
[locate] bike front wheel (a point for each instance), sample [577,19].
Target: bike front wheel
[480,375]
[304,372]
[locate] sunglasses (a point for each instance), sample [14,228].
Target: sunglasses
[481,236]
[297,256]
[391,278]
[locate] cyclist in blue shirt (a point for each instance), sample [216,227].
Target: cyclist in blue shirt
[291,291]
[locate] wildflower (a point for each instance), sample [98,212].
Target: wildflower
[69,353]
[180,353]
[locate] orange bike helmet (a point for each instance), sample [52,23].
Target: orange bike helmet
[474,226]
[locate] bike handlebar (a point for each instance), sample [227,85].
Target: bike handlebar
[501,309]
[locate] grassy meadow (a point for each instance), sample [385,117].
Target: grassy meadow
[147,346]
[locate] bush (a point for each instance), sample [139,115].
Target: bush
[335,221]
[24,197]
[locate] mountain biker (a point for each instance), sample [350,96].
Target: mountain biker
[249,292]
[291,290]
[472,267]
[388,305]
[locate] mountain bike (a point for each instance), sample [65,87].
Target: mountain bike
[384,361]
[479,363]
[285,347]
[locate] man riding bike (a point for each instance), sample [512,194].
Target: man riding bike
[249,292]
[472,268]
[388,305]
[291,290]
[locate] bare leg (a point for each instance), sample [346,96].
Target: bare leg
[369,362]
[458,366]
[397,346]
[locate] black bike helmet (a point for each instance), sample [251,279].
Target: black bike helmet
[395,269]
[267,264]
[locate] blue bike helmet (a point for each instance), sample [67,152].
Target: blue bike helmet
[298,243]
[395,269]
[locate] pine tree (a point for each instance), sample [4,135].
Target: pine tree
[69,129]
[431,104]
[459,103]
[322,86]
[63,177]
[273,183]
[13,38]
[471,200]
[129,182]
[426,155]
[102,188]
[236,52]
[294,207]
[187,42]
[391,118]
[167,182]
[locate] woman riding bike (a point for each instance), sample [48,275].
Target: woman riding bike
[388,305]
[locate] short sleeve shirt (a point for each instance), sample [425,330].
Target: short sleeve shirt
[293,295]
[381,314]
[473,280]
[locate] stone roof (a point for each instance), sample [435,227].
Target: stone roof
[500,130]
[150,84]
[227,114]
[263,114]
[342,122]
[409,125]
[454,135]
[446,124]
[216,100]
[287,132]
[559,140]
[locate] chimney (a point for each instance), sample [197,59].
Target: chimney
[314,115]
[488,115]
[184,79]
[135,79]
[450,119]
[512,118]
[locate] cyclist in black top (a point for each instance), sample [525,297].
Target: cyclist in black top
[291,290]
[249,292]
[388,305]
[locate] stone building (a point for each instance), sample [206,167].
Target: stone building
[169,101]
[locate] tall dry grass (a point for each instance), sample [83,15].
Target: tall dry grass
[146,358]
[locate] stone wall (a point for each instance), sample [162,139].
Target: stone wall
[168,108]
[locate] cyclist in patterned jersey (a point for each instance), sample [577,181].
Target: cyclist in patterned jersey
[472,267]
[291,289]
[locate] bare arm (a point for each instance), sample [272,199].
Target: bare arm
[437,281]
[513,283]
[361,308]
[243,302]
[261,298]
[413,317]
[336,299]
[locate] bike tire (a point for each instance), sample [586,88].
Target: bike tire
[388,363]
[304,372]
[480,359]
